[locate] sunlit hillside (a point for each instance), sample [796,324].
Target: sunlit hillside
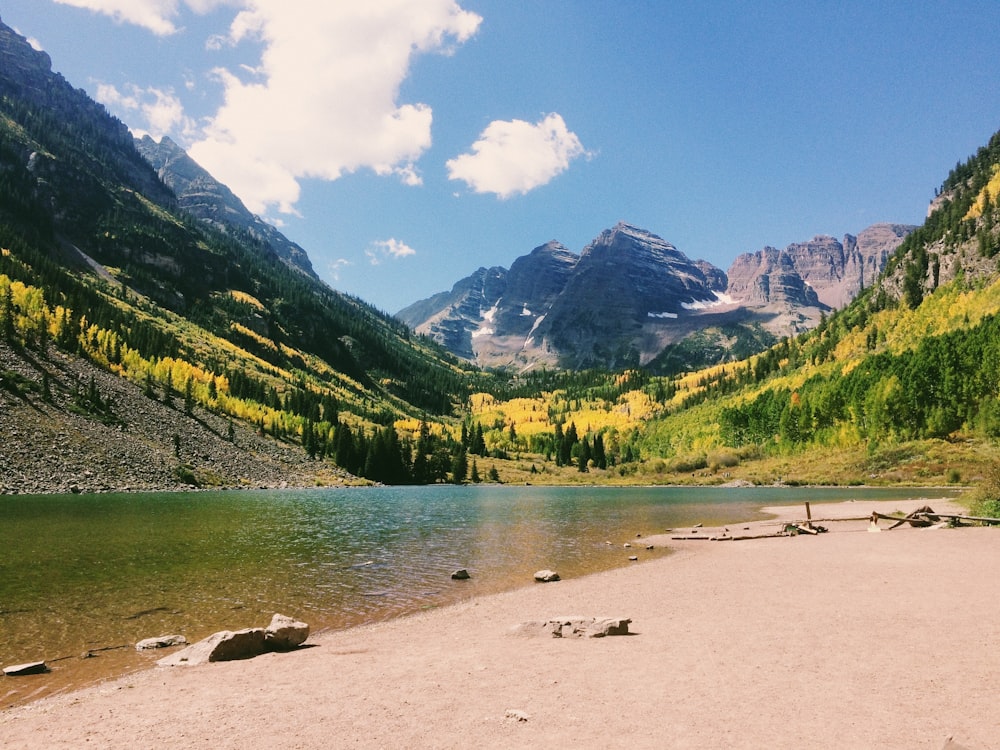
[902,385]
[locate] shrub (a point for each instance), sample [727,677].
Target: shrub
[985,498]
[186,475]
[684,464]
[722,459]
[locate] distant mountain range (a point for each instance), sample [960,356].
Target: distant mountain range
[632,299]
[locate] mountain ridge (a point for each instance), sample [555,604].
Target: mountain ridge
[203,196]
[184,302]
[630,295]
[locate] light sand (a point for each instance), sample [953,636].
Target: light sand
[849,639]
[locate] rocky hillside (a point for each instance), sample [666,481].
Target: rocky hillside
[121,298]
[204,197]
[77,197]
[631,298]
[69,426]
[821,272]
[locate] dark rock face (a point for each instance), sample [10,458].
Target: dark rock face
[636,272]
[557,308]
[209,200]
[490,316]
[717,279]
[453,318]
[534,282]
[625,281]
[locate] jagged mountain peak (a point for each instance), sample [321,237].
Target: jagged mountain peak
[560,308]
[623,237]
[823,272]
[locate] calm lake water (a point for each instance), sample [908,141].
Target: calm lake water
[100,572]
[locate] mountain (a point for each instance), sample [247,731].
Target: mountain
[898,387]
[819,273]
[191,303]
[202,196]
[542,310]
[621,302]
[631,298]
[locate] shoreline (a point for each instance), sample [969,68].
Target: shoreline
[846,638]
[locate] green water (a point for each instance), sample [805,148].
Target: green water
[92,573]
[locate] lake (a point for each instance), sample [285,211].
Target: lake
[99,572]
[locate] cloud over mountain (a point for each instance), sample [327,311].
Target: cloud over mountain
[321,104]
[317,95]
[154,15]
[514,157]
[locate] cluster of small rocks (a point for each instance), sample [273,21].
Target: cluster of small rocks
[49,448]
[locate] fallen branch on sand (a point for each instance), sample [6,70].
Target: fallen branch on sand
[923,517]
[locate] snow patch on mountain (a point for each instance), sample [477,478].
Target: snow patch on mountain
[720,299]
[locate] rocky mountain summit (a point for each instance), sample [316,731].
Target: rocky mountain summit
[630,295]
[821,272]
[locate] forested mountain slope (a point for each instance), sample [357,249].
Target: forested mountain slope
[916,357]
[901,385]
[99,261]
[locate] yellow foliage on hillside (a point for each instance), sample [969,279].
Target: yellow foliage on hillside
[991,190]
[247,299]
[950,308]
[533,416]
[250,334]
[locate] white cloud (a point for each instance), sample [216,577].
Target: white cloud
[515,156]
[161,111]
[323,101]
[390,248]
[334,267]
[154,15]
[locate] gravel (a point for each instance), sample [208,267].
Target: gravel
[45,447]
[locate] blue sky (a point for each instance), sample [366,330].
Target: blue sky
[405,143]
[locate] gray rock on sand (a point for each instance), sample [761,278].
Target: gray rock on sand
[461,575]
[226,645]
[545,576]
[574,627]
[283,634]
[160,641]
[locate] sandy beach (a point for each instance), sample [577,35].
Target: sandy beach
[848,639]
